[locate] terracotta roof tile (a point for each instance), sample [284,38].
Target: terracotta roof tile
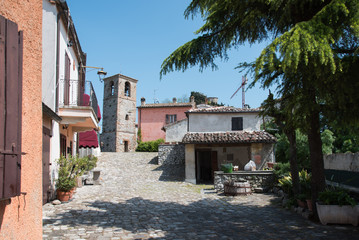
[223,110]
[158,105]
[229,137]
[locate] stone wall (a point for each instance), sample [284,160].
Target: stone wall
[342,161]
[341,169]
[171,154]
[259,180]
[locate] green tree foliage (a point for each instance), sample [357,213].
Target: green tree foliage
[149,146]
[312,56]
[282,152]
[199,98]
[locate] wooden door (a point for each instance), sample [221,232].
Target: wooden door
[45,164]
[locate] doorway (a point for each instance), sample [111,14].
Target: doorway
[126,146]
[46,135]
[206,164]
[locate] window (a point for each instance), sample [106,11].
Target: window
[11,48]
[112,88]
[63,145]
[127,89]
[171,118]
[230,157]
[237,123]
[127,117]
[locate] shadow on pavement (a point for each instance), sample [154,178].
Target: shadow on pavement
[205,219]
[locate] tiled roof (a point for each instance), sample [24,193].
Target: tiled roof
[229,137]
[223,110]
[159,105]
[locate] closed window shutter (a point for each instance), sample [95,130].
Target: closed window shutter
[10,108]
[237,123]
[167,118]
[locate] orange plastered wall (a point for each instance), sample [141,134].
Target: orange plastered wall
[22,217]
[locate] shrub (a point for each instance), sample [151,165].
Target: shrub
[72,167]
[281,170]
[150,146]
[336,196]
[286,184]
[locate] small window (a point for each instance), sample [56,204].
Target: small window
[127,117]
[171,118]
[237,123]
[112,88]
[230,157]
[127,89]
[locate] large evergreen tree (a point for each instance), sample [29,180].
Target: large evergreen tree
[312,54]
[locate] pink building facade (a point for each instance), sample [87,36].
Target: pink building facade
[153,117]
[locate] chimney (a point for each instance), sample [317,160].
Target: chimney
[143,101]
[192,99]
[174,100]
[206,101]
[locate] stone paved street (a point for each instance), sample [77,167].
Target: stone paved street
[140,200]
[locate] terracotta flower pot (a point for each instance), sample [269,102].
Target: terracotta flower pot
[72,192]
[301,203]
[310,205]
[63,196]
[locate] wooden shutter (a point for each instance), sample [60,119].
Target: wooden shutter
[167,118]
[11,45]
[237,123]
[67,80]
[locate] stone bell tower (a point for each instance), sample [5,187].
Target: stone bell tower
[119,114]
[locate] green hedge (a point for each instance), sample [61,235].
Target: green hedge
[150,146]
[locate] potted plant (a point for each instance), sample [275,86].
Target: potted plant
[305,185]
[69,169]
[336,206]
[301,200]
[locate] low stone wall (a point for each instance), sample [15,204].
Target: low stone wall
[171,154]
[341,169]
[342,161]
[259,180]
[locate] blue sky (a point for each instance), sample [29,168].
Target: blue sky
[133,37]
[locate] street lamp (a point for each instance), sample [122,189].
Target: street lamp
[101,73]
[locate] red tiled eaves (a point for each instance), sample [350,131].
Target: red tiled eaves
[159,105]
[224,110]
[229,137]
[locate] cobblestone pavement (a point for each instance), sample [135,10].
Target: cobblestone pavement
[141,200]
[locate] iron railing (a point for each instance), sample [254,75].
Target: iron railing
[73,93]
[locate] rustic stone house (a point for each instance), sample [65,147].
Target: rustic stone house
[219,135]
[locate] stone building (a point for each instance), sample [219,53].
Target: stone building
[220,135]
[119,114]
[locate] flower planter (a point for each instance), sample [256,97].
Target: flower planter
[338,214]
[63,196]
[237,188]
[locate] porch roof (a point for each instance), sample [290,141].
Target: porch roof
[229,137]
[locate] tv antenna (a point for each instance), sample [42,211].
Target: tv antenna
[243,86]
